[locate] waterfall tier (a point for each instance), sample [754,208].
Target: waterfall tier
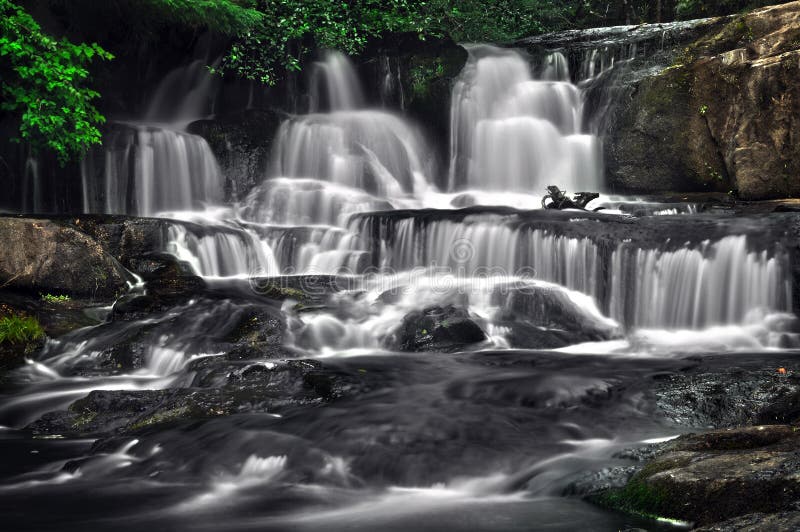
[510,132]
[147,169]
[370,150]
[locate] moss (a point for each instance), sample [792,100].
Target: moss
[643,498]
[158,418]
[84,419]
[275,291]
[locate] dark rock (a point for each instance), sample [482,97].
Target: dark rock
[57,316]
[241,142]
[756,522]
[169,283]
[43,256]
[220,387]
[595,482]
[730,397]
[436,329]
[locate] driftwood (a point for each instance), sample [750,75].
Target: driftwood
[559,199]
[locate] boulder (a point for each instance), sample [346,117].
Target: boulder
[712,477]
[45,256]
[436,329]
[724,116]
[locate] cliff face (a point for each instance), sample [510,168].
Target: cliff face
[724,116]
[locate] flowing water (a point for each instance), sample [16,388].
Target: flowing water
[579,314]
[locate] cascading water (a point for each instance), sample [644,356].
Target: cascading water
[368,150]
[129,175]
[325,166]
[145,168]
[720,283]
[510,132]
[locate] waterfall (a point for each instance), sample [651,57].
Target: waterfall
[334,84]
[369,150]
[718,283]
[144,170]
[187,93]
[510,132]
[298,201]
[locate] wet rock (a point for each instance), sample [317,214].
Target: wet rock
[757,522]
[436,329]
[220,387]
[58,314]
[241,142]
[129,239]
[44,256]
[169,282]
[598,481]
[100,412]
[543,317]
[711,477]
[730,397]
[14,354]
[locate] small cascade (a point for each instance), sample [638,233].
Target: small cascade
[317,250]
[484,246]
[335,85]
[32,188]
[326,166]
[510,308]
[719,283]
[187,93]
[297,201]
[221,251]
[144,169]
[369,150]
[510,132]
[555,67]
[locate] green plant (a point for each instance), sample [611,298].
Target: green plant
[50,298]
[15,329]
[44,86]
[703,110]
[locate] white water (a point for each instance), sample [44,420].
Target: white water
[371,150]
[719,283]
[146,169]
[335,85]
[510,132]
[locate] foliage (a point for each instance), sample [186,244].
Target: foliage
[50,298]
[292,27]
[222,16]
[17,329]
[688,9]
[44,85]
